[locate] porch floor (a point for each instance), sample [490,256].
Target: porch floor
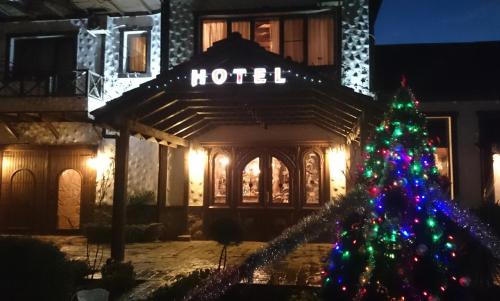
[158,263]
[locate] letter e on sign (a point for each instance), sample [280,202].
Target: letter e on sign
[259,75]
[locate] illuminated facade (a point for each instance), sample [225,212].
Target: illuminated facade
[255,110]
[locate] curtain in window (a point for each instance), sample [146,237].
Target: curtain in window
[243,27]
[137,53]
[213,31]
[320,46]
[294,39]
[267,34]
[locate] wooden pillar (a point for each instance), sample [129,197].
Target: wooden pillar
[162,179]
[120,194]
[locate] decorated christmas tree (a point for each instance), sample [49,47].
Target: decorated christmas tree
[401,247]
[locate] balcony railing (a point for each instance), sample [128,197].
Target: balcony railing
[75,83]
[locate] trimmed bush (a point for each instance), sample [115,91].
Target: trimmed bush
[36,270]
[118,277]
[101,233]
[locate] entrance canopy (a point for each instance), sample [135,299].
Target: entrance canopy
[237,82]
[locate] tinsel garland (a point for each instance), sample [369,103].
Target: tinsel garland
[306,230]
[463,218]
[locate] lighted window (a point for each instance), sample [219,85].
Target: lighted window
[136,51]
[312,177]
[221,163]
[267,34]
[213,31]
[320,44]
[280,182]
[294,39]
[250,181]
[439,129]
[243,27]
[496,177]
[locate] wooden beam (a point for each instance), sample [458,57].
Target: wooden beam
[152,132]
[10,129]
[120,195]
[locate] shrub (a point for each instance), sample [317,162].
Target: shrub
[142,198]
[225,231]
[36,270]
[101,233]
[489,213]
[181,286]
[118,277]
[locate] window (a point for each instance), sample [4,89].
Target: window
[267,34]
[496,177]
[55,54]
[305,39]
[312,177]
[243,27]
[294,39]
[320,45]
[280,182]
[221,162]
[136,51]
[213,31]
[250,181]
[439,128]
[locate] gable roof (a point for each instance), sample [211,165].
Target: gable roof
[170,104]
[440,72]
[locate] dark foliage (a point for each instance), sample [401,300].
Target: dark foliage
[101,233]
[489,213]
[181,286]
[36,270]
[226,231]
[118,277]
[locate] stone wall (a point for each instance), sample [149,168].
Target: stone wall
[115,85]
[356,45]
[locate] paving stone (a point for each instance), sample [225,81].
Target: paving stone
[158,263]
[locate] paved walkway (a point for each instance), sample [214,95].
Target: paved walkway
[160,262]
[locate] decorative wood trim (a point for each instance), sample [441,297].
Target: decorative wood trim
[163,137]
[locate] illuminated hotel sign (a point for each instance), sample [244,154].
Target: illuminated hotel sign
[219,76]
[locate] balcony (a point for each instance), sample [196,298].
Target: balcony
[79,83]
[75,91]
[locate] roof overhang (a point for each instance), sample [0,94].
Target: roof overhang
[170,104]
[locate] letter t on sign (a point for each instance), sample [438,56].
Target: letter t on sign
[198,77]
[240,72]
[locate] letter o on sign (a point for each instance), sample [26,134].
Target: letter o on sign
[219,76]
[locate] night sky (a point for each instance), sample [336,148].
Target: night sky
[437,21]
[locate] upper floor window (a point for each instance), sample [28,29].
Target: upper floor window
[267,34]
[55,54]
[305,39]
[135,53]
[320,33]
[214,30]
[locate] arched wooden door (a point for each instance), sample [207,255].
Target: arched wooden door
[22,198]
[69,195]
